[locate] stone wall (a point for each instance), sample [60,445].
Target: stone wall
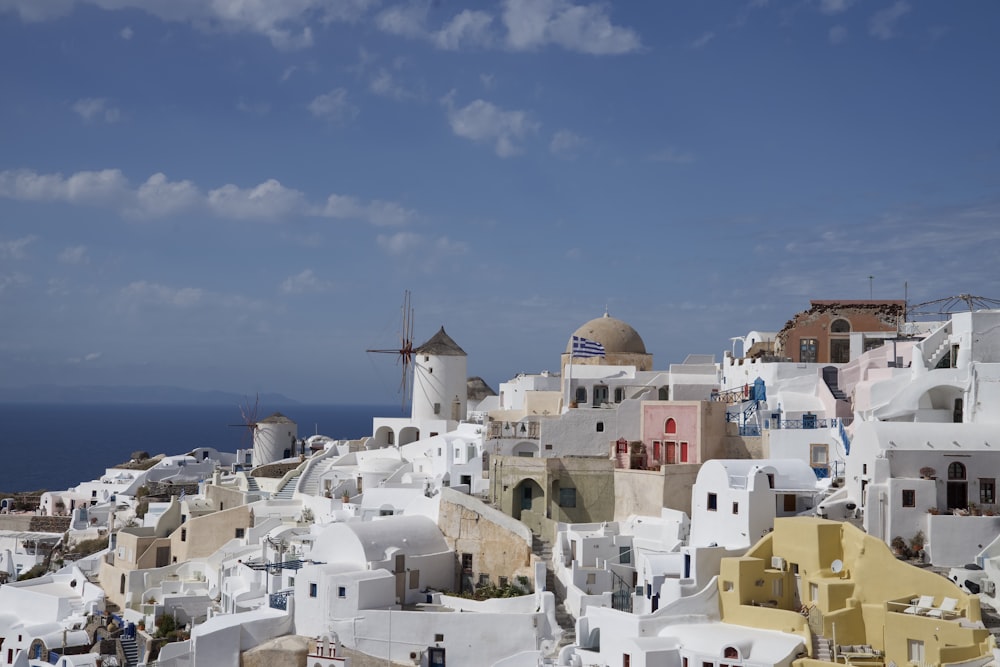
[49,524]
[275,470]
[499,545]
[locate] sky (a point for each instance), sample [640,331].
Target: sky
[236,194]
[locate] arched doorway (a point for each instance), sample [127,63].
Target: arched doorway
[528,495]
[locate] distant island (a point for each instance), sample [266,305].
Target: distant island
[147,395]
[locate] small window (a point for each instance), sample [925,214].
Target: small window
[909,498]
[439,638]
[712,502]
[341,591]
[600,427]
[839,326]
[807,350]
[502,581]
[987,491]
[727,586]
[625,555]
[548,446]
[437,408]
[619,394]
[184,534]
[591,578]
[240,533]
[736,508]
[313,590]
[484,579]
[567,497]
[467,562]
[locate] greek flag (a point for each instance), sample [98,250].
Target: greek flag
[584,347]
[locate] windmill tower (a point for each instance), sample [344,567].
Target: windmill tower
[440,382]
[273,439]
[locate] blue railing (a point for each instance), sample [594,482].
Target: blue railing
[280,600]
[843,438]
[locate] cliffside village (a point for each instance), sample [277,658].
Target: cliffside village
[823,494]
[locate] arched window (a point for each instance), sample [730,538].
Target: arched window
[663,394]
[956,470]
[732,653]
[670,427]
[840,326]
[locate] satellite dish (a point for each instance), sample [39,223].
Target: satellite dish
[837,566]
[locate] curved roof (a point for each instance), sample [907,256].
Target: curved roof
[616,336]
[441,344]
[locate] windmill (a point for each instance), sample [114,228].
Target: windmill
[249,415]
[405,350]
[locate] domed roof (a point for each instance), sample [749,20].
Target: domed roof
[616,336]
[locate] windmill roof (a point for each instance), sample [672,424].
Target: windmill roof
[276,418]
[478,389]
[442,345]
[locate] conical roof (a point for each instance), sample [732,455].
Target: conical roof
[441,345]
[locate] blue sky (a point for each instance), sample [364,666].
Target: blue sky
[234,194]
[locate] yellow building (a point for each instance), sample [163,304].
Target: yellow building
[850,599]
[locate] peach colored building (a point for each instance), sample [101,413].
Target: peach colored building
[822,333]
[682,431]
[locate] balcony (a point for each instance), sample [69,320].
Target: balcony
[515,430]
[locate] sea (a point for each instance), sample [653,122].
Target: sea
[57,446]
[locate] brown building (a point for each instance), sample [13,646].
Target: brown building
[822,334]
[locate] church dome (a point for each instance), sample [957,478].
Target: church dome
[616,336]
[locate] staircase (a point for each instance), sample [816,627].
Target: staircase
[131,651]
[822,649]
[287,489]
[543,550]
[252,485]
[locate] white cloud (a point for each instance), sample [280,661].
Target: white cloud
[883,24]
[305,282]
[468,28]
[96,109]
[565,143]
[154,293]
[92,356]
[127,33]
[268,201]
[159,197]
[404,20]
[378,213]
[703,41]
[400,243]
[253,108]
[12,280]
[483,122]
[285,24]
[838,34]
[83,187]
[532,24]
[74,255]
[15,249]
[385,84]
[835,6]
[672,155]
[333,106]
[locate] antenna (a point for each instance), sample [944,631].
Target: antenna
[405,350]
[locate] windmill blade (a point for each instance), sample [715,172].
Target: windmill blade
[405,350]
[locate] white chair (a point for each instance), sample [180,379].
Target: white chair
[947,609]
[922,606]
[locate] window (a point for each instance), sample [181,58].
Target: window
[581,395]
[736,508]
[807,350]
[625,555]
[600,427]
[727,586]
[731,652]
[240,533]
[484,579]
[591,578]
[670,426]
[567,497]
[819,455]
[341,591]
[684,452]
[987,491]
[437,408]
[439,638]
[502,581]
[467,562]
[956,471]
[184,534]
[712,502]
[909,498]
[840,326]
[313,590]
[619,394]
